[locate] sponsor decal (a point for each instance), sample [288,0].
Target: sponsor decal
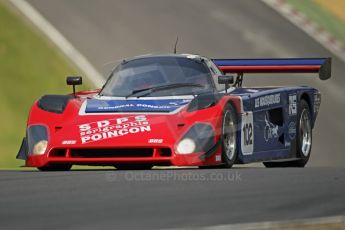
[69,142]
[164,105]
[155,141]
[112,128]
[270,130]
[317,102]
[218,157]
[267,100]
[292,104]
[292,130]
[247,140]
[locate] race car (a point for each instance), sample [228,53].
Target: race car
[177,110]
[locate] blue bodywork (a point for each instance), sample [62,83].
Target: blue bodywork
[274,121]
[269,120]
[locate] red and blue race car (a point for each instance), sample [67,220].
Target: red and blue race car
[179,110]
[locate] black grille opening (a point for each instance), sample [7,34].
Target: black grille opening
[112,153]
[58,153]
[165,152]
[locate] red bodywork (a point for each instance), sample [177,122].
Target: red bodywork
[156,147]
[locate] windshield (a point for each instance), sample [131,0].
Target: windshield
[184,74]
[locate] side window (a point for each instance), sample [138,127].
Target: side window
[214,68]
[215,71]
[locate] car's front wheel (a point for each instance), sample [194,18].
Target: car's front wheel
[229,137]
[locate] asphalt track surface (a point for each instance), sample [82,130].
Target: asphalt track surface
[166,198]
[106,32]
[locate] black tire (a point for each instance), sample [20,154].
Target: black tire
[55,167]
[229,136]
[227,162]
[302,152]
[133,166]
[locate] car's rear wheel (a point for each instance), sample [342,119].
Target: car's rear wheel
[55,167]
[229,136]
[303,139]
[133,166]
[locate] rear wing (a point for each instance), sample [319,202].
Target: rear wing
[322,66]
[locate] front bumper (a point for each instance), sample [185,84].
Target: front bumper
[157,156]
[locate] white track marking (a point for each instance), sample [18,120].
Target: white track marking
[275,224]
[309,27]
[60,41]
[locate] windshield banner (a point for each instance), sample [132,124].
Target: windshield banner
[107,106]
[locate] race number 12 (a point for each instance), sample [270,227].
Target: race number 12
[247,137]
[248,133]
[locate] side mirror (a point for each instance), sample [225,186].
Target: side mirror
[225,79]
[74,80]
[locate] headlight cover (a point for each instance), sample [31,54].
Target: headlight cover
[199,138]
[204,101]
[37,136]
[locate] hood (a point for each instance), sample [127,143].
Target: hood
[131,122]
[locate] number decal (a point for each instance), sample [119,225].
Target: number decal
[248,133]
[247,140]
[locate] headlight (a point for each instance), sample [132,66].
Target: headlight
[37,137]
[40,147]
[186,146]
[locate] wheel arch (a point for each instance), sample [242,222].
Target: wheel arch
[235,101]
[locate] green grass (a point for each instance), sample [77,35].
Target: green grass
[321,16]
[30,66]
